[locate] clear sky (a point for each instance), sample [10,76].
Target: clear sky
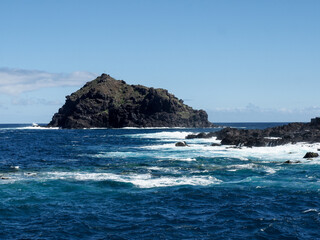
[239,60]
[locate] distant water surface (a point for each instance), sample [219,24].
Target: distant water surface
[135,184]
[253,125]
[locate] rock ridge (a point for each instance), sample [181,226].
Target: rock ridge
[290,133]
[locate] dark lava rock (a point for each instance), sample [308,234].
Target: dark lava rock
[181,144]
[215,144]
[291,162]
[201,135]
[110,103]
[290,133]
[311,155]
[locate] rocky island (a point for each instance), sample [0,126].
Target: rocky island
[290,133]
[109,103]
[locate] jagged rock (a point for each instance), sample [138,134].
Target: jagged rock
[110,103]
[290,133]
[181,144]
[315,121]
[201,135]
[311,155]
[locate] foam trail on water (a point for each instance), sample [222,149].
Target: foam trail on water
[162,135]
[139,180]
[310,210]
[163,156]
[251,166]
[169,181]
[37,128]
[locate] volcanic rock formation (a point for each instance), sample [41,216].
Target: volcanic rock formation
[109,103]
[290,133]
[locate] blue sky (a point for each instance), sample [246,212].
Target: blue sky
[238,60]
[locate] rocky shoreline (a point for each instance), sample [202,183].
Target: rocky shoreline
[275,136]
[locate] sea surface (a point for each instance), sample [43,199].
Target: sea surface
[135,184]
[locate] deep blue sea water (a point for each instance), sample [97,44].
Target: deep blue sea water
[135,184]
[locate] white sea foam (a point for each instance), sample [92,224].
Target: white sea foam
[116,154]
[169,181]
[162,155]
[139,180]
[310,210]
[202,148]
[162,135]
[37,128]
[293,152]
[176,157]
[29,128]
[155,168]
[161,146]
[164,169]
[270,170]
[185,159]
[15,167]
[251,166]
[242,166]
[30,174]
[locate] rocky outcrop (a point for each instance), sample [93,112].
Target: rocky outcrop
[290,133]
[181,144]
[215,144]
[311,155]
[292,162]
[106,102]
[201,135]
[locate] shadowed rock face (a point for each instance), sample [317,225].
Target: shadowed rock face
[106,102]
[290,133]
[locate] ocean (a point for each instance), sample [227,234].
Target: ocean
[135,184]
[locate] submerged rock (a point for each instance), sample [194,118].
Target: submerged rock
[181,144]
[215,144]
[107,102]
[311,155]
[291,162]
